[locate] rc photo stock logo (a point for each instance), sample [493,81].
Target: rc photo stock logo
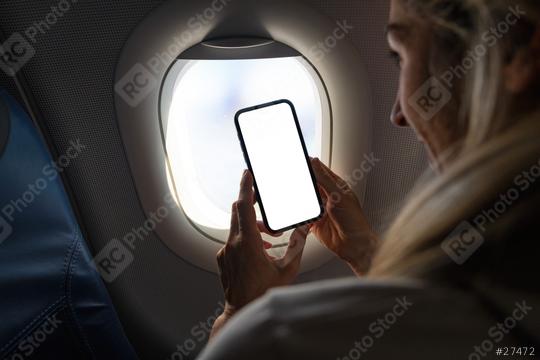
[468,236]
[430,98]
[118,254]
[18,50]
[139,82]
[325,47]
[15,52]
[136,85]
[435,93]
[112,260]
[462,242]
[30,344]
[14,207]
[5,229]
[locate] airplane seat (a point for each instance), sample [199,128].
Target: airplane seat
[54,303]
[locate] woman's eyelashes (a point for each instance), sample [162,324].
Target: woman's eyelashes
[394,55]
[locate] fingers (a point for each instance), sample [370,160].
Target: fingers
[324,195]
[330,172]
[341,183]
[246,188]
[294,251]
[247,219]
[330,182]
[234,220]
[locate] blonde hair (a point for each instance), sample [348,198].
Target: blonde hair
[496,147]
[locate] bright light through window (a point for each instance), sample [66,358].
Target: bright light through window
[205,157]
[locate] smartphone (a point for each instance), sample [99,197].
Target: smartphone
[276,155]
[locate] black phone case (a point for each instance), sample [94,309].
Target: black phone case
[248,162]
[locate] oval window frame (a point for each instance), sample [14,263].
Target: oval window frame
[235,49]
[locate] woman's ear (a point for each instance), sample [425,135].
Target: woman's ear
[524,68]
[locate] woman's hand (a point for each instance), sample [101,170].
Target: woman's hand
[246,269]
[344,228]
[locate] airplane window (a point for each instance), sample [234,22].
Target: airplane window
[204,156]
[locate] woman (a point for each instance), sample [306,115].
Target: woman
[453,277]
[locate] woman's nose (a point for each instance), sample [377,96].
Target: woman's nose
[397,116]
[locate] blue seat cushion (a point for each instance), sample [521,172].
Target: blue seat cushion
[53,301]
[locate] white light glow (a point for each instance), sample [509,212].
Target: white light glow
[204,153]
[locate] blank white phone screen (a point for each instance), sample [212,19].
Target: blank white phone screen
[279,166]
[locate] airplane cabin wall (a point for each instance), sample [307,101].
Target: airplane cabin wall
[71,78]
